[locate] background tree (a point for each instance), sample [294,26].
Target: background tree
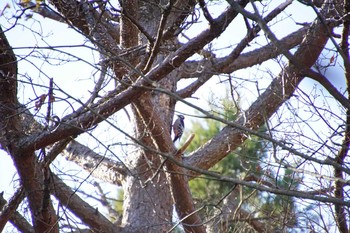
[105,100]
[246,163]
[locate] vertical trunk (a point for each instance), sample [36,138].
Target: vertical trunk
[147,197]
[147,202]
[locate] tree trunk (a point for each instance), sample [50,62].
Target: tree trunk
[148,204]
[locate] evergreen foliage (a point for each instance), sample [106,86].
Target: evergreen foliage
[247,160]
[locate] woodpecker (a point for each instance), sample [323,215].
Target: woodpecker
[178,127]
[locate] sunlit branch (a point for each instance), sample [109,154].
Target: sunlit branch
[198,68]
[223,63]
[100,166]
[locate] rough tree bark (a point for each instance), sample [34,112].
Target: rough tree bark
[154,176]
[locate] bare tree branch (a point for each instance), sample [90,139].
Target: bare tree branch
[9,213]
[99,166]
[277,190]
[223,63]
[107,106]
[90,216]
[25,161]
[139,48]
[43,10]
[111,211]
[194,69]
[279,91]
[231,212]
